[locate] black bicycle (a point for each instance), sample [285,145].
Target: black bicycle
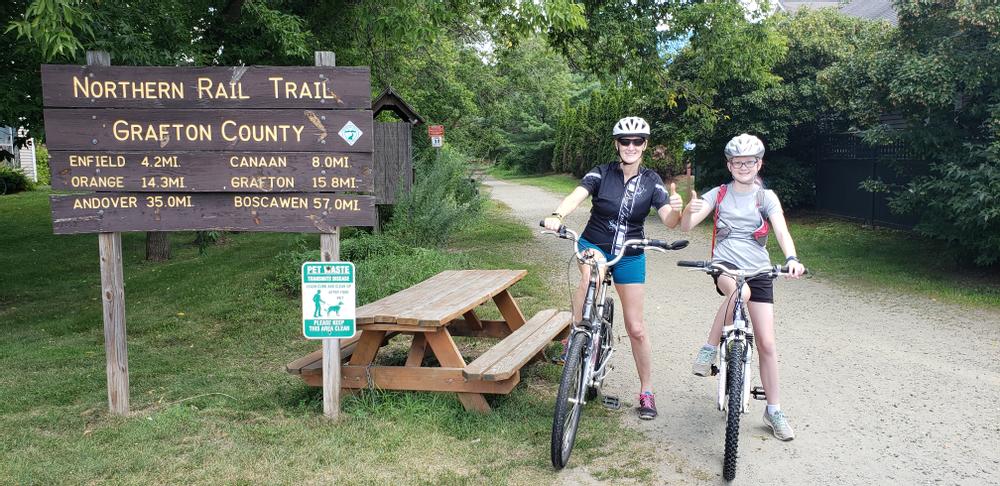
[734,355]
[591,341]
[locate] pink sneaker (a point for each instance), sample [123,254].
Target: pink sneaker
[647,406]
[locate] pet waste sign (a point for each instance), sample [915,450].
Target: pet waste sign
[328,300]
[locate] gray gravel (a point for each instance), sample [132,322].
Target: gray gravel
[882,387]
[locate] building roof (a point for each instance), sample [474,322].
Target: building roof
[871,9]
[791,6]
[390,100]
[866,9]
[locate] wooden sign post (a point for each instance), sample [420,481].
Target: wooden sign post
[330,252]
[248,148]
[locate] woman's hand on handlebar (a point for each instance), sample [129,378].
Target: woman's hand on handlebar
[552,223]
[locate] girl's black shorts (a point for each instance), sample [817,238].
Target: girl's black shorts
[761,288]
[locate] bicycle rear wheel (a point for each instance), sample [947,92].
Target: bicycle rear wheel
[569,402]
[734,385]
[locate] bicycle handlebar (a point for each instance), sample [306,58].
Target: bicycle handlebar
[645,243]
[710,267]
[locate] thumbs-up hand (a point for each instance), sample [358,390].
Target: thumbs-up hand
[676,202]
[696,204]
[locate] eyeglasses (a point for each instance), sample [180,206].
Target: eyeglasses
[744,164]
[638,142]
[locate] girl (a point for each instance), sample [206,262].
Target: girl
[744,210]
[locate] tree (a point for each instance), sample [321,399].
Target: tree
[790,113]
[940,71]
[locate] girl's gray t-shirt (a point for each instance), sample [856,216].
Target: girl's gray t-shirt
[739,211]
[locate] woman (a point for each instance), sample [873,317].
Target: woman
[622,194]
[745,208]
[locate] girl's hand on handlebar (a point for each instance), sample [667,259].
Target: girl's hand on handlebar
[795,269]
[552,223]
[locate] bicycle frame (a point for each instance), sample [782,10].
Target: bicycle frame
[593,320]
[741,329]
[591,327]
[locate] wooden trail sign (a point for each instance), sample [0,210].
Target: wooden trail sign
[168,129]
[238,148]
[211,171]
[242,87]
[284,212]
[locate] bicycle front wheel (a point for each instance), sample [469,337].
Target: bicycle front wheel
[569,402]
[734,385]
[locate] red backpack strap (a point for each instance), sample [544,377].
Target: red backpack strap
[715,223]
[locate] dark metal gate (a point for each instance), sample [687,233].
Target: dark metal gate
[845,162]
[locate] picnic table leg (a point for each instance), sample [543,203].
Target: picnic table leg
[509,310]
[367,347]
[447,354]
[473,320]
[417,350]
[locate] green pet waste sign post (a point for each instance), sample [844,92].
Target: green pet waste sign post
[328,300]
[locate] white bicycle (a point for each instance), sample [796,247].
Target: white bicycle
[734,355]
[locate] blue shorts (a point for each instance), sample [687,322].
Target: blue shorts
[628,270]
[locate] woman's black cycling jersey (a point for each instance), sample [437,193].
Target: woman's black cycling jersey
[620,207]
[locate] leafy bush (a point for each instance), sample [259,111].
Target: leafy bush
[790,178]
[383,265]
[42,165]
[959,203]
[13,180]
[365,246]
[442,199]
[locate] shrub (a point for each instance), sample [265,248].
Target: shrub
[13,180]
[42,165]
[442,199]
[383,265]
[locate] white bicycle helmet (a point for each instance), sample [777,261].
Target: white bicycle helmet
[744,145]
[631,125]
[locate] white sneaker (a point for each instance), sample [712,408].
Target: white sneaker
[703,362]
[779,425]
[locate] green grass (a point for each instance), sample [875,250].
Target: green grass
[855,255]
[208,338]
[557,183]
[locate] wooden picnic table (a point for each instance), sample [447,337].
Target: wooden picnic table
[433,312]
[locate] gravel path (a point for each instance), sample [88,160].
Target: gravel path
[881,387]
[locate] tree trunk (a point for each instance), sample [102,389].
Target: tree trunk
[157,246]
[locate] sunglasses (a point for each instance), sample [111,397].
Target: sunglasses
[638,142]
[744,164]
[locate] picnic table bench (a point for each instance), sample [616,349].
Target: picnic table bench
[433,312]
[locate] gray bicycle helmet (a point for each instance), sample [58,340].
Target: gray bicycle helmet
[631,125]
[744,145]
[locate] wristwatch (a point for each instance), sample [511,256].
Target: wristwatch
[790,258]
[558,215]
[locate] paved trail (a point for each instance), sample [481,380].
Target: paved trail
[881,387]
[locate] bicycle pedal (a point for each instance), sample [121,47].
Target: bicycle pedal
[611,402]
[715,370]
[758,393]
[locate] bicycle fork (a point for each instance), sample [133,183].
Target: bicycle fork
[740,331]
